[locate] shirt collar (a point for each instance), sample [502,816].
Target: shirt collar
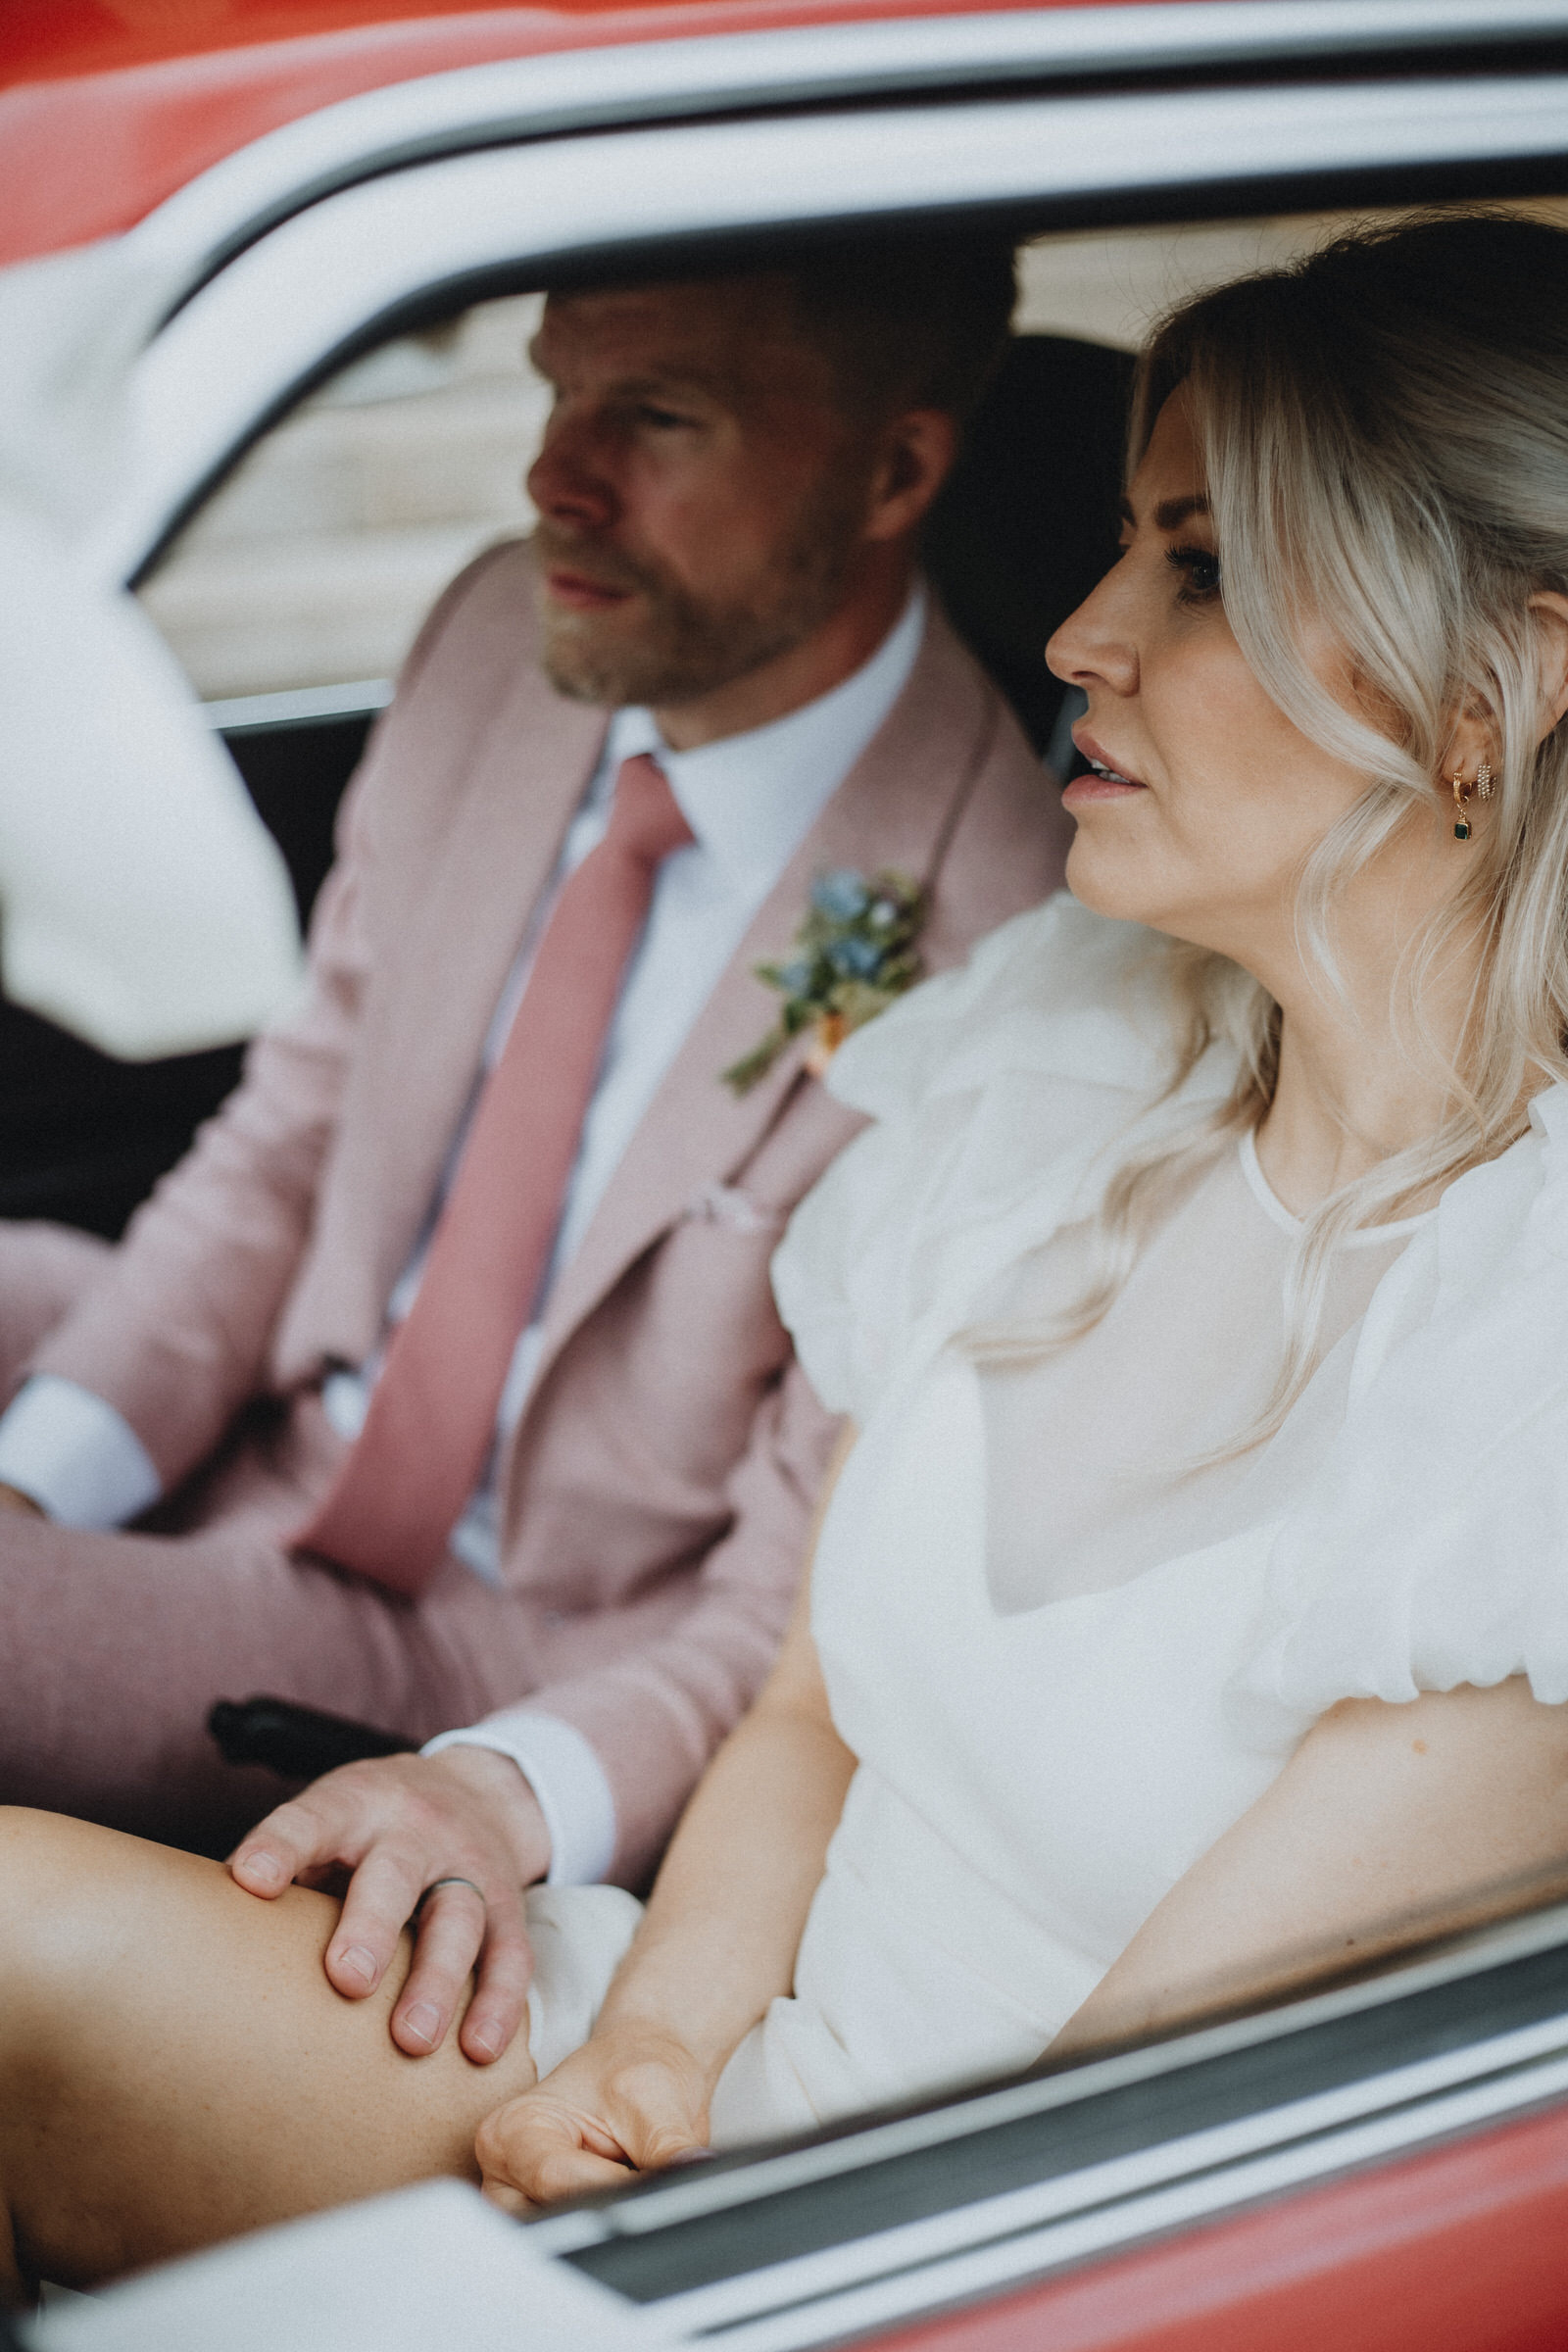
[751,798]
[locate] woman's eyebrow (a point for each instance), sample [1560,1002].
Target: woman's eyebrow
[1170,514]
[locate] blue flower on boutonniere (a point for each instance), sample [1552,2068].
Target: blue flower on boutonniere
[852,956]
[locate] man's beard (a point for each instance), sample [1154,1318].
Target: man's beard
[687,645]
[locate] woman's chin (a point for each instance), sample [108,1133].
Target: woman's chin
[1110,884]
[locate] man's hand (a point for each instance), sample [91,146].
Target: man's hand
[12,1498]
[632,2099]
[403,1824]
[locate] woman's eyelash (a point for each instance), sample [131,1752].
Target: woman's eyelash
[1199,571]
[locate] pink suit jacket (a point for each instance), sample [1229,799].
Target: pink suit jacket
[658,1485]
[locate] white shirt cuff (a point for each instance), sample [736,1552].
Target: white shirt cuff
[566,1778]
[75,1456]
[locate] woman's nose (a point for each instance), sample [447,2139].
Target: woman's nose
[1095,645]
[568,480]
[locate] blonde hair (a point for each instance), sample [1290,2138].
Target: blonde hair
[1385,433]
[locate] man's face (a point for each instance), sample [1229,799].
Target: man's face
[701,492]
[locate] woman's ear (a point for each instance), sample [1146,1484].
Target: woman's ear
[1548,612]
[1474,738]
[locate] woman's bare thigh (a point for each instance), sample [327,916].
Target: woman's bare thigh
[175,2066]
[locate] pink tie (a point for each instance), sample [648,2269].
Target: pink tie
[414,1463]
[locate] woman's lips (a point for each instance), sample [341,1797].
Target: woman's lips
[583,593]
[1106,781]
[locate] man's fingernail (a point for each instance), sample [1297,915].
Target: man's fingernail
[260,1868]
[485,2039]
[356,1961]
[423,2022]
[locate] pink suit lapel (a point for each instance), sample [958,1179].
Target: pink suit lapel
[897,807]
[462,921]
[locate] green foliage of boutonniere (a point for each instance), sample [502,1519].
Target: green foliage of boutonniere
[852,956]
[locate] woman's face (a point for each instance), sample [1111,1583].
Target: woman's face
[1205,801]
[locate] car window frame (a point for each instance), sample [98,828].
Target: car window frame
[392,252]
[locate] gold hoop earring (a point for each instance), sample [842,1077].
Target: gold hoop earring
[1462,793]
[1483,781]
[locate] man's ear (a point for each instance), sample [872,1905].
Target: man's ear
[914,460]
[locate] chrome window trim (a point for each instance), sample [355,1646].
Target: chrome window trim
[575,90]
[270,321]
[836,2311]
[297,706]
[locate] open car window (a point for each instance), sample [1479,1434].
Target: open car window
[314,564]
[307,571]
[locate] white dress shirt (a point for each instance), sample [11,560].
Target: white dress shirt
[750,800]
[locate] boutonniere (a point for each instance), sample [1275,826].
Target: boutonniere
[851,956]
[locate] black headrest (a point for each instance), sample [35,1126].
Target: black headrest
[1026,522]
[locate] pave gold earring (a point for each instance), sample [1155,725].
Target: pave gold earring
[1482,788]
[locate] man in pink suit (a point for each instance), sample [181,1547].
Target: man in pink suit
[722,611]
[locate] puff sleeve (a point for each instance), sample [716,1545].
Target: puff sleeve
[1431,1549]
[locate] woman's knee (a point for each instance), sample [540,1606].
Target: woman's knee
[55,1853]
[46,1886]
[82,1908]
[45,1896]
[197,2073]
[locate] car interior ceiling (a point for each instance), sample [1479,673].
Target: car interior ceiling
[1019,537]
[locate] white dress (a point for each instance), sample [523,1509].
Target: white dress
[1064,1663]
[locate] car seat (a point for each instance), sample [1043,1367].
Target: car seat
[1027,520]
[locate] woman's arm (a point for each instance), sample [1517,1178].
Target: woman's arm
[718,1944]
[1387,1821]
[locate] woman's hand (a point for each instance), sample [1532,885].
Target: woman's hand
[632,2099]
[717,1945]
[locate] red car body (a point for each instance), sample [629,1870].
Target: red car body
[105,111]
[104,115]
[1464,2250]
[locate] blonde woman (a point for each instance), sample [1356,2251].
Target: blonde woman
[1197,1588]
